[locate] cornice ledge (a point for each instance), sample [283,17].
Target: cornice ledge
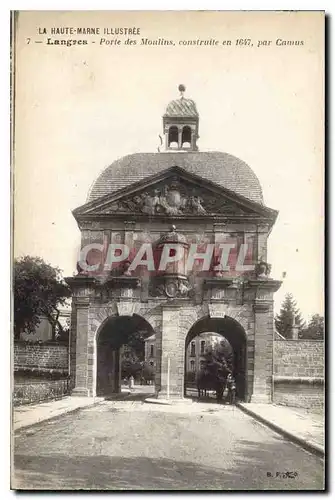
[265,284]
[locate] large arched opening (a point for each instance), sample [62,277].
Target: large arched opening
[234,337]
[120,343]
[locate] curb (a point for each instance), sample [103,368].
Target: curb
[52,417]
[168,402]
[155,401]
[307,445]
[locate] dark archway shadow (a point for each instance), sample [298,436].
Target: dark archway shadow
[122,396]
[234,333]
[139,393]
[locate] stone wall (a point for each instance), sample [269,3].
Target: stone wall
[299,373]
[298,358]
[308,394]
[40,356]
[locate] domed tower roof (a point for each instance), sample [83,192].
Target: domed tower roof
[180,125]
[181,107]
[222,168]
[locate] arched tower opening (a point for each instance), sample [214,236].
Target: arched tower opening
[173,137]
[186,137]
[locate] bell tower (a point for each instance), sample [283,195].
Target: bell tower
[181,124]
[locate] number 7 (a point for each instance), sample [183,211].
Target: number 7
[28,40]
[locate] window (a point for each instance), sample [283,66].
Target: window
[193,349]
[151,351]
[202,347]
[192,366]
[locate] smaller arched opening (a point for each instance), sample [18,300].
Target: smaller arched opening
[186,137]
[173,137]
[121,347]
[208,334]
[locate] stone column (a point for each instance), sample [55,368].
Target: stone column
[166,136]
[193,138]
[81,389]
[263,354]
[180,131]
[172,355]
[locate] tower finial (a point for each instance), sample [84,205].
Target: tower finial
[181,89]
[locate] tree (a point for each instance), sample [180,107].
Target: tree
[39,290]
[284,320]
[135,341]
[223,350]
[148,372]
[315,329]
[131,366]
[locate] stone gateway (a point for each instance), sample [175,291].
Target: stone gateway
[177,201]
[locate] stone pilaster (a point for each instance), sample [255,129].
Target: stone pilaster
[172,355]
[263,354]
[81,388]
[72,344]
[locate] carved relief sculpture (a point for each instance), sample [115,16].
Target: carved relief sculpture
[172,288]
[173,199]
[262,270]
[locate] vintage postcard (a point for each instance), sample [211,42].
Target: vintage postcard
[168,281]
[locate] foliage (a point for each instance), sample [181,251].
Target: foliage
[135,342]
[133,354]
[148,372]
[63,335]
[33,373]
[39,290]
[288,312]
[223,350]
[131,366]
[32,391]
[315,329]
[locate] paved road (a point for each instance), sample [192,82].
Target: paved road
[134,445]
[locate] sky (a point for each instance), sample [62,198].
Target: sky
[79,108]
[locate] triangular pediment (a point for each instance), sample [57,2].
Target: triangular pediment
[174,193]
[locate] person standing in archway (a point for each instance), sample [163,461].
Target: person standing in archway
[231,386]
[131,382]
